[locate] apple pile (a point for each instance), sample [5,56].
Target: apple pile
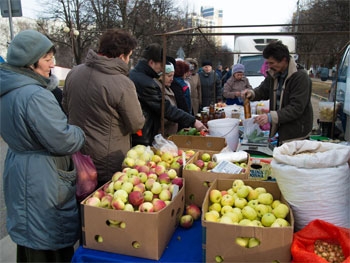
[191,214]
[205,163]
[246,206]
[141,155]
[138,189]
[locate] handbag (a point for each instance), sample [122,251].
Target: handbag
[86,175]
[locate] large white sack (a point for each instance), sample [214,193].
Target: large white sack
[314,177]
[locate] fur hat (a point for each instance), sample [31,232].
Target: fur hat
[238,68]
[206,63]
[27,47]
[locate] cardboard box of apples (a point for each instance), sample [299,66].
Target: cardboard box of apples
[246,221]
[134,214]
[199,175]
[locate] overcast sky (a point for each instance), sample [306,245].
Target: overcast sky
[235,12]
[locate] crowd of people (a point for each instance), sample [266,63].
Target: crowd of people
[105,110]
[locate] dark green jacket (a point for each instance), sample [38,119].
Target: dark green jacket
[294,119]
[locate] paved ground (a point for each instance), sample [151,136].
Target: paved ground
[8,248]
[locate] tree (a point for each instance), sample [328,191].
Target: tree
[322,49]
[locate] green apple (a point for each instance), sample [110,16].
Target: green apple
[227,200]
[127,186]
[268,219]
[257,222]
[132,154]
[253,203]
[212,216]
[128,161]
[225,209]
[246,222]
[240,202]
[225,220]
[167,157]
[275,203]
[253,242]
[280,222]
[238,211]
[242,191]
[205,157]
[236,183]
[234,216]
[215,196]
[249,212]
[215,206]
[156,158]
[253,195]
[281,211]
[242,241]
[261,210]
[121,194]
[192,167]
[261,190]
[265,198]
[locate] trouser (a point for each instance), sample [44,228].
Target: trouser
[25,254]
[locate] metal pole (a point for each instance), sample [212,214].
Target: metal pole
[10,18]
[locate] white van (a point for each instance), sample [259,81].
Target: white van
[343,90]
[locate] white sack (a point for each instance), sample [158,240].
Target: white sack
[314,177]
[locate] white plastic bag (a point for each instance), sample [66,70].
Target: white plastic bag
[314,178]
[164,145]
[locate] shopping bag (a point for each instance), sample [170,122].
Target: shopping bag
[303,245]
[86,175]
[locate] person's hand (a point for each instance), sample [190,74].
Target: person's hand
[247,93]
[200,126]
[261,119]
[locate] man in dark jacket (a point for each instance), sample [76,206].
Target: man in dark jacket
[149,93]
[288,87]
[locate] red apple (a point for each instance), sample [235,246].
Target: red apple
[99,193]
[146,207]
[136,198]
[140,187]
[164,178]
[93,201]
[186,221]
[193,211]
[158,204]
[117,204]
[178,181]
[199,163]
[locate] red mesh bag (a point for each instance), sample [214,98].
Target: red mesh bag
[304,241]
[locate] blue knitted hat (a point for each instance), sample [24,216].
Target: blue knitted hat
[27,47]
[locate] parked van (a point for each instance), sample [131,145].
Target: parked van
[342,83]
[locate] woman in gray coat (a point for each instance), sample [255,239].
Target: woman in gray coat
[39,176]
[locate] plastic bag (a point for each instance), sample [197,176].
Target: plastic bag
[164,145]
[86,175]
[302,248]
[252,132]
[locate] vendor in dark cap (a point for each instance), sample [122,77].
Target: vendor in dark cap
[149,93]
[210,83]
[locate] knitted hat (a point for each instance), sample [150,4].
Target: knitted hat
[238,68]
[206,63]
[27,48]
[153,52]
[169,68]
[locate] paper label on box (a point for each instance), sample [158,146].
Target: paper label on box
[227,167]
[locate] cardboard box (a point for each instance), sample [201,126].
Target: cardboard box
[152,231]
[198,182]
[219,238]
[208,143]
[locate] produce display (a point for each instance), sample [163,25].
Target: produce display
[147,185]
[192,131]
[246,206]
[331,252]
[206,163]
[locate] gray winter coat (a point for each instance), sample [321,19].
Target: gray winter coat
[39,176]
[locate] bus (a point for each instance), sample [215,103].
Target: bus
[248,51]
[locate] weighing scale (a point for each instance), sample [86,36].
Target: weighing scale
[257,148]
